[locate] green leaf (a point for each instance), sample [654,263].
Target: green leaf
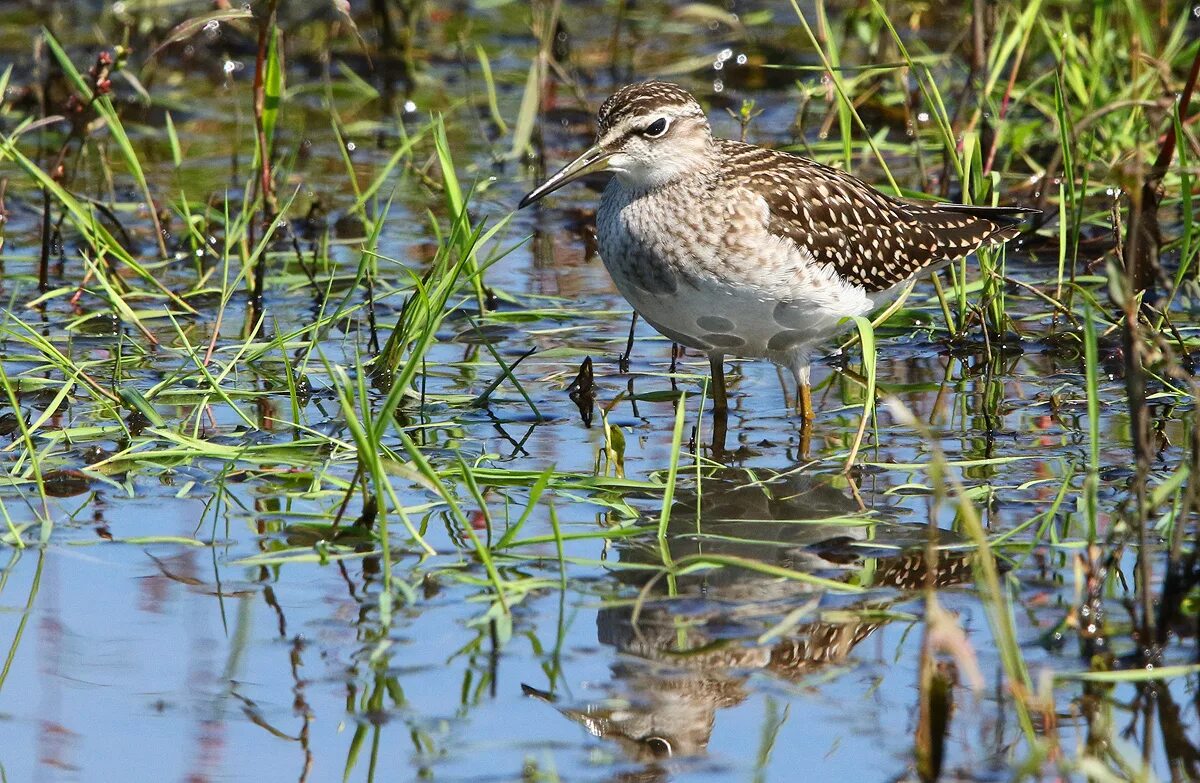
[272,88]
[866,335]
[173,138]
[134,400]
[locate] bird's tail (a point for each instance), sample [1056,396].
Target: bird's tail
[1005,221]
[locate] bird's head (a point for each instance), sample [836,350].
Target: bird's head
[649,135]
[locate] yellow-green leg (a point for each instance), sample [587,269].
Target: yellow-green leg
[804,407]
[804,404]
[799,366]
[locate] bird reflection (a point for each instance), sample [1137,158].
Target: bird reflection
[685,659]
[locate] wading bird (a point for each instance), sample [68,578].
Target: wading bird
[733,249]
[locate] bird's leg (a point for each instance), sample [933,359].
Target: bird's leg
[716,363]
[623,362]
[805,409]
[720,428]
[804,404]
[799,366]
[800,369]
[783,387]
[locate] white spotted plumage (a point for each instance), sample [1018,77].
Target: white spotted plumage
[776,249]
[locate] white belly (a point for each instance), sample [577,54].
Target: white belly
[723,319]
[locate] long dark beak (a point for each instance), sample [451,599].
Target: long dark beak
[595,159]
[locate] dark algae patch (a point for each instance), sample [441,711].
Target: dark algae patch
[323,462]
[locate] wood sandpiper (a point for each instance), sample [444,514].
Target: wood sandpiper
[729,248]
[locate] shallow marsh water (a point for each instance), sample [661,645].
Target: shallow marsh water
[183,614]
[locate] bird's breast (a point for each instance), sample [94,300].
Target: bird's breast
[652,240]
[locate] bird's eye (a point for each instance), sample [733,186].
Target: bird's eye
[656,128]
[659,746]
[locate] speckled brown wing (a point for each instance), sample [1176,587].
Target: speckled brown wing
[870,239]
